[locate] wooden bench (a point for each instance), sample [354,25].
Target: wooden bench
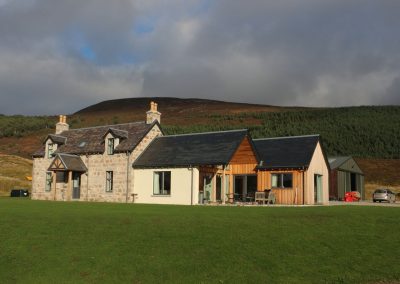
[268,197]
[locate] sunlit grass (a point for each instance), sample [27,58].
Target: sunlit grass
[56,242]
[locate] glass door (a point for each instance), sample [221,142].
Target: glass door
[317,189]
[76,185]
[207,188]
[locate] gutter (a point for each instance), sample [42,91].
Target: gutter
[191,186]
[127,176]
[87,178]
[304,199]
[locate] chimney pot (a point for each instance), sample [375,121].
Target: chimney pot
[62,124]
[153,113]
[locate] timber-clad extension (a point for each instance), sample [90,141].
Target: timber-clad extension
[136,162]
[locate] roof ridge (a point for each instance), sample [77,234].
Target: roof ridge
[111,128]
[337,157]
[108,125]
[200,133]
[56,135]
[288,137]
[65,154]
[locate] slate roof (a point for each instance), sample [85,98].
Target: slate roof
[335,162]
[293,152]
[116,133]
[56,138]
[91,140]
[70,162]
[210,148]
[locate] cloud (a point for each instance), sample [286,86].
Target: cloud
[64,55]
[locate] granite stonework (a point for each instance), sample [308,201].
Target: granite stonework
[93,181]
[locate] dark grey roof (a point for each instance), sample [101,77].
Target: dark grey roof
[286,152]
[345,163]
[91,140]
[117,133]
[58,139]
[210,148]
[335,162]
[69,163]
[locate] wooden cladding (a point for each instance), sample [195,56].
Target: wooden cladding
[292,195]
[242,169]
[57,164]
[244,162]
[244,154]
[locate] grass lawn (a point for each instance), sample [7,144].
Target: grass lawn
[56,242]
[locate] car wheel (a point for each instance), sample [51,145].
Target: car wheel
[373,200]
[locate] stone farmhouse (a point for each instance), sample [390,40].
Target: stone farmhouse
[137,163]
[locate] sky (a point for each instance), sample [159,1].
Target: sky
[61,56]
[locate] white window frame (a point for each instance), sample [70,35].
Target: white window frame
[280,180]
[49,181]
[110,146]
[50,150]
[109,181]
[159,186]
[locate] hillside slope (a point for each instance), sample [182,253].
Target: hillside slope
[371,134]
[174,111]
[13,173]
[366,132]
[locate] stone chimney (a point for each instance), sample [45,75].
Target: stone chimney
[62,124]
[153,114]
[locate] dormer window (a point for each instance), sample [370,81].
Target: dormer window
[110,146]
[50,150]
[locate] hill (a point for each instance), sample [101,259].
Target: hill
[175,111]
[22,135]
[370,133]
[365,132]
[13,173]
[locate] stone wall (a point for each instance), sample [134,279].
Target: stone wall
[93,182]
[39,169]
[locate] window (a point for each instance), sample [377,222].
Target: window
[50,150]
[61,177]
[110,146]
[162,183]
[49,181]
[109,181]
[282,180]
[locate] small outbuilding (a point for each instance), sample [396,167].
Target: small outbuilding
[345,176]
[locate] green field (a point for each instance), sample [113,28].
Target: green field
[55,242]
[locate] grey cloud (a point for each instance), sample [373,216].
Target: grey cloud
[292,52]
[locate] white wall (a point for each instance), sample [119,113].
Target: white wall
[180,186]
[317,166]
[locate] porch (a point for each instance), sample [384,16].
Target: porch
[63,177]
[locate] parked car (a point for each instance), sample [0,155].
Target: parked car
[19,193]
[383,194]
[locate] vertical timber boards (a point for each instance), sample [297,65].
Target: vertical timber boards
[292,195]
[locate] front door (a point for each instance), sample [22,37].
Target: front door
[317,189]
[76,185]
